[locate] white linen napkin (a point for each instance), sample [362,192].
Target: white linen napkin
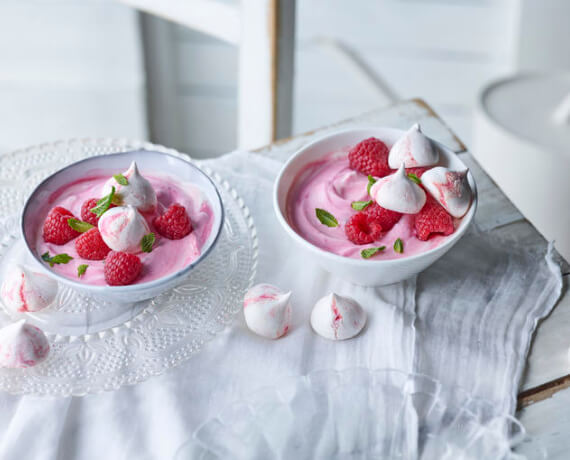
[466,321]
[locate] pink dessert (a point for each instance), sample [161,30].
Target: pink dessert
[171,208]
[334,205]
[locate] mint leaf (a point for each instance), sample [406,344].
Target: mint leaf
[360,205]
[367,253]
[371,182]
[81,269]
[78,225]
[57,259]
[103,204]
[326,218]
[414,178]
[121,180]
[147,242]
[399,246]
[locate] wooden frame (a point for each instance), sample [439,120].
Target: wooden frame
[264,30]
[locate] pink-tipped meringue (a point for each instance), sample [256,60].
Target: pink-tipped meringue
[398,193]
[23,290]
[413,149]
[335,317]
[22,345]
[122,229]
[138,193]
[267,310]
[450,188]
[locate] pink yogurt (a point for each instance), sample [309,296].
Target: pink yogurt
[167,256]
[330,184]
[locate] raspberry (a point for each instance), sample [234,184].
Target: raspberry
[370,157]
[121,268]
[87,215]
[91,246]
[385,217]
[362,229]
[418,171]
[433,219]
[56,229]
[174,223]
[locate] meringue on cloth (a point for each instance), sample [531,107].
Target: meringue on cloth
[335,317]
[450,188]
[138,193]
[23,290]
[413,149]
[267,310]
[398,193]
[122,229]
[22,345]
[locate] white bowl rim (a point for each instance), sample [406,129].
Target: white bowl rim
[450,241]
[96,289]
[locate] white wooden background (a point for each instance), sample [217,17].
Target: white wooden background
[74,67]
[69,68]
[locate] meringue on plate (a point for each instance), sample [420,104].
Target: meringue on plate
[138,192]
[267,310]
[413,149]
[398,192]
[22,345]
[450,188]
[335,317]
[122,229]
[23,290]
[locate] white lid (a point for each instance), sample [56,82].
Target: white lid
[531,108]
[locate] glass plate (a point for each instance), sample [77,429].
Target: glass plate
[126,344]
[358,414]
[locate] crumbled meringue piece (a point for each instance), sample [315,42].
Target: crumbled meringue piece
[122,229]
[267,310]
[398,193]
[138,193]
[413,149]
[22,345]
[23,290]
[450,188]
[336,317]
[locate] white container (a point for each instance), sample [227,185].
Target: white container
[522,140]
[364,272]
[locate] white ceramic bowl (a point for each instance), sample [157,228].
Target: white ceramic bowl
[34,213]
[364,272]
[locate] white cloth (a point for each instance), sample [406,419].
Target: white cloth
[467,320]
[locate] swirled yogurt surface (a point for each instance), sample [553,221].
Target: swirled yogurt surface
[330,184]
[167,256]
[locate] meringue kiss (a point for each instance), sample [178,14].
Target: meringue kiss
[335,317]
[267,310]
[22,345]
[450,188]
[413,149]
[24,290]
[138,192]
[122,229]
[398,193]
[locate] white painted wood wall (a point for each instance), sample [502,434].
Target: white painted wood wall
[440,50]
[74,68]
[69,68]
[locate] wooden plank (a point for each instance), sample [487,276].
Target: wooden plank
[265,71]
[406,112]
[548,423]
